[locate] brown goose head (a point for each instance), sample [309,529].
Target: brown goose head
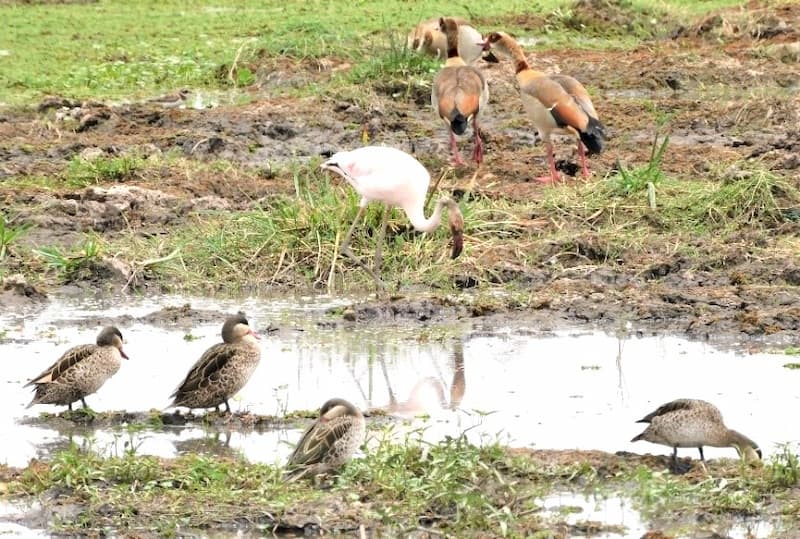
[745,447]
[499,42]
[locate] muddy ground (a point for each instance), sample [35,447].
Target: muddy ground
[316,518]
[729,82]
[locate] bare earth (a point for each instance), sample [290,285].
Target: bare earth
[748,57]
[719,295]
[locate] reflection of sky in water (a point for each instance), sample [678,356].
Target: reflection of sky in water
[549,390]
[616,511]
[10,513]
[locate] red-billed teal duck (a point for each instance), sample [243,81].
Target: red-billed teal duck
[223,369]
[81,371]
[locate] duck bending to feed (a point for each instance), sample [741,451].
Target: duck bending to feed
[329,442]
[459,94]
[223,369]
[427,38]
[557,104]
[694,423]
[81,371]
[395,178]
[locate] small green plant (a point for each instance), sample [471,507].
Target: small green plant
[68,263]
[9,234]
[785,467]
[629,181]
[81,173]
[244,77]
[75,468]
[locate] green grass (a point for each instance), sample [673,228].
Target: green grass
[69,264]
[81,173]
[9,234]
[400,484]
[292,238]
[114,49]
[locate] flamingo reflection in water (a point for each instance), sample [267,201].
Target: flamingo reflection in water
[429,394]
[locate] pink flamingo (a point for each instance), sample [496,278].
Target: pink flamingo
[395,178]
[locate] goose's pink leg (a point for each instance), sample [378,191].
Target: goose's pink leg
[551,160]
[457,161]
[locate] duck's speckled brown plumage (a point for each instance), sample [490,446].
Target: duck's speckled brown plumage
[330,441]
[222,370]
[694,423]
[81,371]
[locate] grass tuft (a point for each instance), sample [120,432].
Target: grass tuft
[82,173]
[397,70]
[68,265]
[295,238]
[402,484]
[9,234]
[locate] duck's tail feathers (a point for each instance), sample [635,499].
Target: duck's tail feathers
[458,123]
[638,437]
[594,136]
[295,474]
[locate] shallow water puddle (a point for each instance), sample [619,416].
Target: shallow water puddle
[548,389]
[11,515]
[617,516]
[559,390]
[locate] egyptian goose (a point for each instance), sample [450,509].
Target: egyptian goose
[459,93]
[557,104]
[223,369]
[80,371]
[329,442]
[694,423]
[428,39]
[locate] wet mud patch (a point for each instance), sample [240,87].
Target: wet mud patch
[183,317]
[665,297]
[429,309]
[19,296]
[221,421]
